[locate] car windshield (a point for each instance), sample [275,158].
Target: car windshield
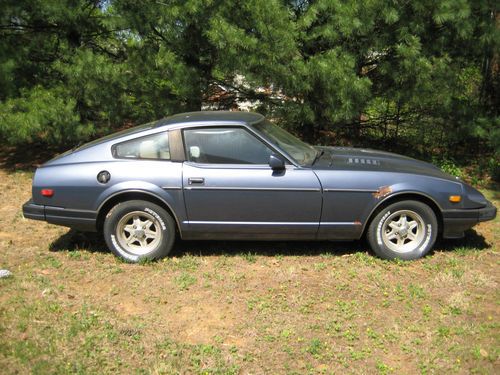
[300,151]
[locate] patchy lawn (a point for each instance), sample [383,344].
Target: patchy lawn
[242,308]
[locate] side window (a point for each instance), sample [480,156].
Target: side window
[225,146]
[150,147]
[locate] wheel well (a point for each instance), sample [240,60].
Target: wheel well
[127,196]
[405,197]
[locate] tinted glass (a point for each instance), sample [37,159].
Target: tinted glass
[150,147]
[302,152]
[121,133]
[225,146]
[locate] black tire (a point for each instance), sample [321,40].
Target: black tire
[136,230]
[405,230]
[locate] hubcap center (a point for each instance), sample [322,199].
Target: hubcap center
[403,231]
[139,233]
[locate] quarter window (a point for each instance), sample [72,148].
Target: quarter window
[150,147]
[225,146]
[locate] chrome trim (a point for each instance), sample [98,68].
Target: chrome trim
[250,223]
[341,223]
[350,190]
[172,187]
[227,166]
[249,188]
[268,223]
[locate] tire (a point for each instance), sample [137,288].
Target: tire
[405,230]
[137,230]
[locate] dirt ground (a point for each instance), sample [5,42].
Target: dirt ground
[242,308]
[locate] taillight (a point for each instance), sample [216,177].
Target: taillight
[47,192]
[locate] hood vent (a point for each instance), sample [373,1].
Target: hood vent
[363,161]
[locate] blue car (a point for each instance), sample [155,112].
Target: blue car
[237,176]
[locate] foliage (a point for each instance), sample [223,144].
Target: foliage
[44,115]
[420,75]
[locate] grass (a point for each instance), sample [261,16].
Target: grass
[241,308]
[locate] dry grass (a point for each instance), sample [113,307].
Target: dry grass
[249,308]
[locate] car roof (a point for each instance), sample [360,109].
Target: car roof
[211,116]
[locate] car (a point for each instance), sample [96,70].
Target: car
[237,176]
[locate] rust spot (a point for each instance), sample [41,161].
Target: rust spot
[382,192]
[357,222]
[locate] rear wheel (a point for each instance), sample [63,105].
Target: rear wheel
[406,230]
[136,230]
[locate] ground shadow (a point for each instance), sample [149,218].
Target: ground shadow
[93,242]
[471,241]
[267,248]
[74,241]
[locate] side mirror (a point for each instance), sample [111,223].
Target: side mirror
[276,163]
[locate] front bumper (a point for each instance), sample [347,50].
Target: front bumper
[455,222]
[78,219]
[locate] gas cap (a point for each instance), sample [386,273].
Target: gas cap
[103,177]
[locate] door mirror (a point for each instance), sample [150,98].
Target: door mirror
[276,163]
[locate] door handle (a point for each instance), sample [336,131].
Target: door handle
[196,180]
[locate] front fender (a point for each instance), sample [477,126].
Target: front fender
[436,192]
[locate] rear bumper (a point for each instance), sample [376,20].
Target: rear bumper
[455,222]
[78,219]
[33,211]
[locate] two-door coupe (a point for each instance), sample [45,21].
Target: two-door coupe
[235,175]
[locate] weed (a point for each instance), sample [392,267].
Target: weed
[416,291]
[319,266]
[443,331]
[75,254]
[449,166]
[382,368]
[356,355]
[351,335]
[249,257]
[187,263]
[365,258]
[286,333]
[185,280]
[426,311]
[455,310]
[315,347]
[52,262]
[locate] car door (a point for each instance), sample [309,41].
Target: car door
[231,192]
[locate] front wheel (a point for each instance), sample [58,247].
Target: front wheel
[406,230]
[136,230]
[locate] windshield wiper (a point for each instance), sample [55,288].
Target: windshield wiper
[319,154]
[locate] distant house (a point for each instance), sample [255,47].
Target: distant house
[238,96]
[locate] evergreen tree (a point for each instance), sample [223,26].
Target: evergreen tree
[420,74]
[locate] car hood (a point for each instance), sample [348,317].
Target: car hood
[348,158]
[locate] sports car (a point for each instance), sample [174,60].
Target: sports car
[238,176]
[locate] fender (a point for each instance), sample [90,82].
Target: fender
[394,194]
[168,196]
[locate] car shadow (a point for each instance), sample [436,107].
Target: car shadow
[267,248]
[472,241]
[79,241]
[94,243]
